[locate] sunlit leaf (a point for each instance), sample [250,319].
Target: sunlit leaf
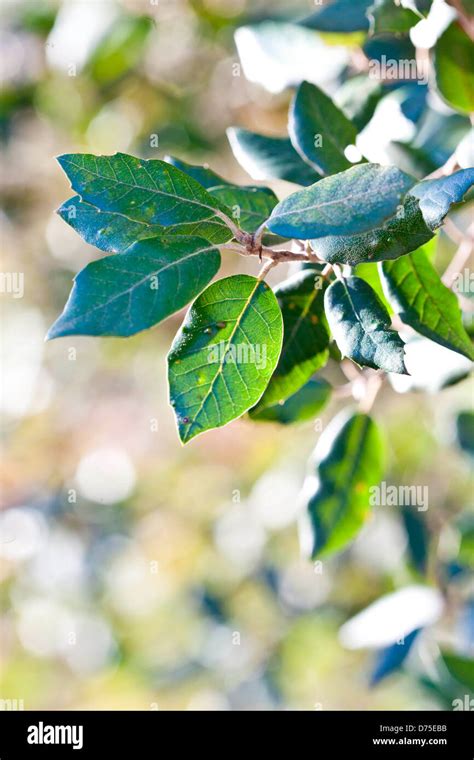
[414,288]
[305,336]
[454,68]
[224,355]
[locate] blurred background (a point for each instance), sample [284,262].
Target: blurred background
[138,574]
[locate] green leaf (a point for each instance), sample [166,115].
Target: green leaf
[460,668]
[349,461]
[108,230]
[360,324]
[357,200]
[358,98]
[436,196]
[404,232]
[340,16]
[390,50]
[250,206]
[465,434]
[224,355]
[120,49]
[305,336]
[454,68]
[414,288]
[319,131]
[265,158]
[123,294]
[386,17]
[301,406]
[149,191]
[370,273]
[202,174]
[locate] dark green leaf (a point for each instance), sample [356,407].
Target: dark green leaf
[202,174]
[305,336]
[349,460]
[107,230]
[414,288]
[150,191]
[340,16]
[418,538]
[436,196]
[123,294]
[386,17]
[303,405]
[358,98]
[250,206]
[465,432]
[224,355]
[404,232]
[265,158]
[360,324]
[357,200]
[319,131]
[454,68]
[389,49]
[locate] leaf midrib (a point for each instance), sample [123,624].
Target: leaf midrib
[135,186]
[222,361]
[137,284]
